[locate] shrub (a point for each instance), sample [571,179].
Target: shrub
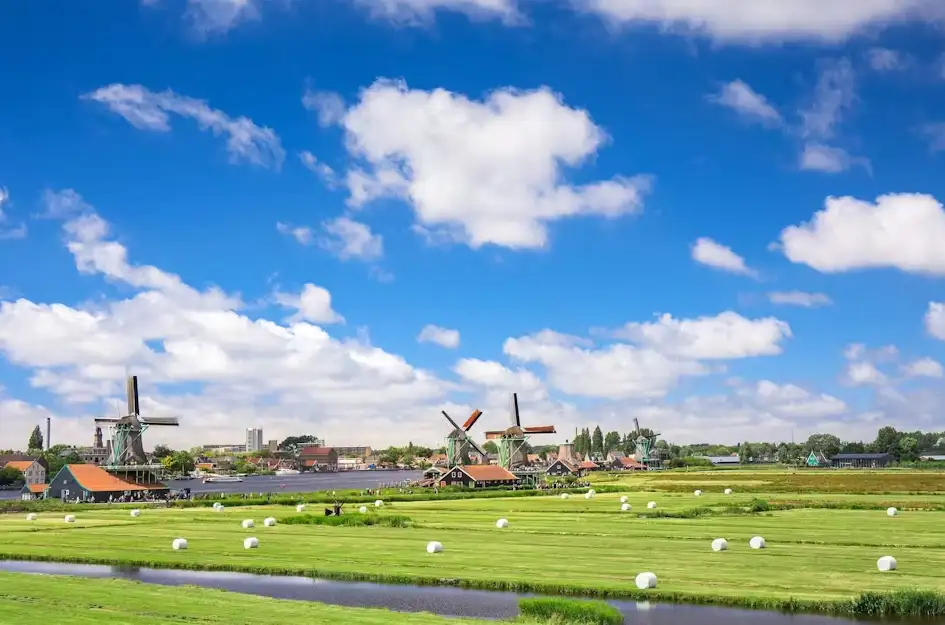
[350,520]
[556,609]
[901,603]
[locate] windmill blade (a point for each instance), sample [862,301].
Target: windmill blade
[106,420]
[476,446]
[450,419]
[160,420]
[471,421]
[540,429]
[513,407]
[132,394]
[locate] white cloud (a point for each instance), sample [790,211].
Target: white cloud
[799,298]
[886,60]
[765,21]
[303,234]
[789,401]
[902,231]
[147,110]
[827,159]
[495,375]
[863,373]
[724,336]
[935,320]
[924,368]
[444,337]
[329,106]
[748,103]
[349,239]
[209,17]
[480,172]
[708,252]
[313,304]
[421,11]
[17,232]
[935,133]
[315,166]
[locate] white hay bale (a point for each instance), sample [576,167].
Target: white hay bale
[379,504]
[218,506]
[136,513]
[886,563]
[728,491]
[697,493]
[248,523]
[300,507]
[626,507]
[588,495]
[646,580]
[31,516]
[565,496]
[69,518]
[624,499]
[719,544]
[892,512]
[757,542]
[502,523]
[434,547]
[363,509]
[591,492]
[651,505]
[269,521]
[179,543]
[251,543]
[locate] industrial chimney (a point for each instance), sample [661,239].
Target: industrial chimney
[48,433]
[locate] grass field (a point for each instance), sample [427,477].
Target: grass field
[815,556]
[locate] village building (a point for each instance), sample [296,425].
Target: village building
[317,458]
[33,472]
[33,491]
[561,468]
[87,482]
[817,459]
[861,461]
[478,476]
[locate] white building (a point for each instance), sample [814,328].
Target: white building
[254,439]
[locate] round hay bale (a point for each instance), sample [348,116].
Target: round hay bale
[179,543]
[434,547]
[69,518]
[719,544]
[300,507]
[589,495]
[591,492]
[624,499]
[891,512]
[251,543]
[502,523]
[218,506]
[646,580]
[626,507]
[31,516]
[248,523]
[136,513]
[651,505]
[697,493]
[363,509]
[886,563]
[269,521]
[757,542]
[379,504]
[728,491]
[565,496]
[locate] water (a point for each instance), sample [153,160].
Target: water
[445,601]
[302,483]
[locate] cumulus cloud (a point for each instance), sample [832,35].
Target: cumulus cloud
[148,110]
[708,252]
[444,337]
[348,239]
[422,11]
[312,303]
[480,172]
[924,368]
[935,320]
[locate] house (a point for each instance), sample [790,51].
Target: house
[5,458]
[350,464]
[478,476]
[438,460]
[862,461]
[355,452]
[723,460]
[33,472]
[817,459]
[33,491]
[932,455]
[628,464]
[87,482]
[318,458]
[560,468]
[588,465]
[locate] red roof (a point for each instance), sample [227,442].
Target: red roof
[630,463]
[487,472]
[98,480]
[37,488]
[567,464]
[317,451]
[20,465]
[587,464]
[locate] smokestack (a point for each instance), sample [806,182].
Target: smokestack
[48,433]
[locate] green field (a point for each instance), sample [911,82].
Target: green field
[815,555]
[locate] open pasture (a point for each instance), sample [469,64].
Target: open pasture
[551,544]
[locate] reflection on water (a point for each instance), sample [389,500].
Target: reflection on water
[455,602]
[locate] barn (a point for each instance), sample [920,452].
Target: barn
[478,476]
[560,468]
[88,482]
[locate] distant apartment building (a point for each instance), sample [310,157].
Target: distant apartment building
[224,449]
[354,452]
[254,439]
[273,445]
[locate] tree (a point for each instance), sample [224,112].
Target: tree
[59,456]
[887,441]
[179,462]
[36,439]
[489,447]
[162,451]
[908,449]
[10,476]
[745,453]
[597,441]
[292,443]
[611,442]
[828,444]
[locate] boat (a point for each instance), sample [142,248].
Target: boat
[286,472]
[224,479]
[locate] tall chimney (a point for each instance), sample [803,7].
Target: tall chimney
[48,433]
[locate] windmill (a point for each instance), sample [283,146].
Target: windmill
[511,441]
[126,431]
[644,445]
[458,441]
[335,510]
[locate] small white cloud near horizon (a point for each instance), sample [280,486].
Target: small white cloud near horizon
[708,252]
[799,298]
[444,337]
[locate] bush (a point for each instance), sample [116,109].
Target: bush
[558,609]
[349,520]
[901,603]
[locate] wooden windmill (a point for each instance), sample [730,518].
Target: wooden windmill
[511,441]
[458,442]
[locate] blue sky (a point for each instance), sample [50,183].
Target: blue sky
[532,166]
